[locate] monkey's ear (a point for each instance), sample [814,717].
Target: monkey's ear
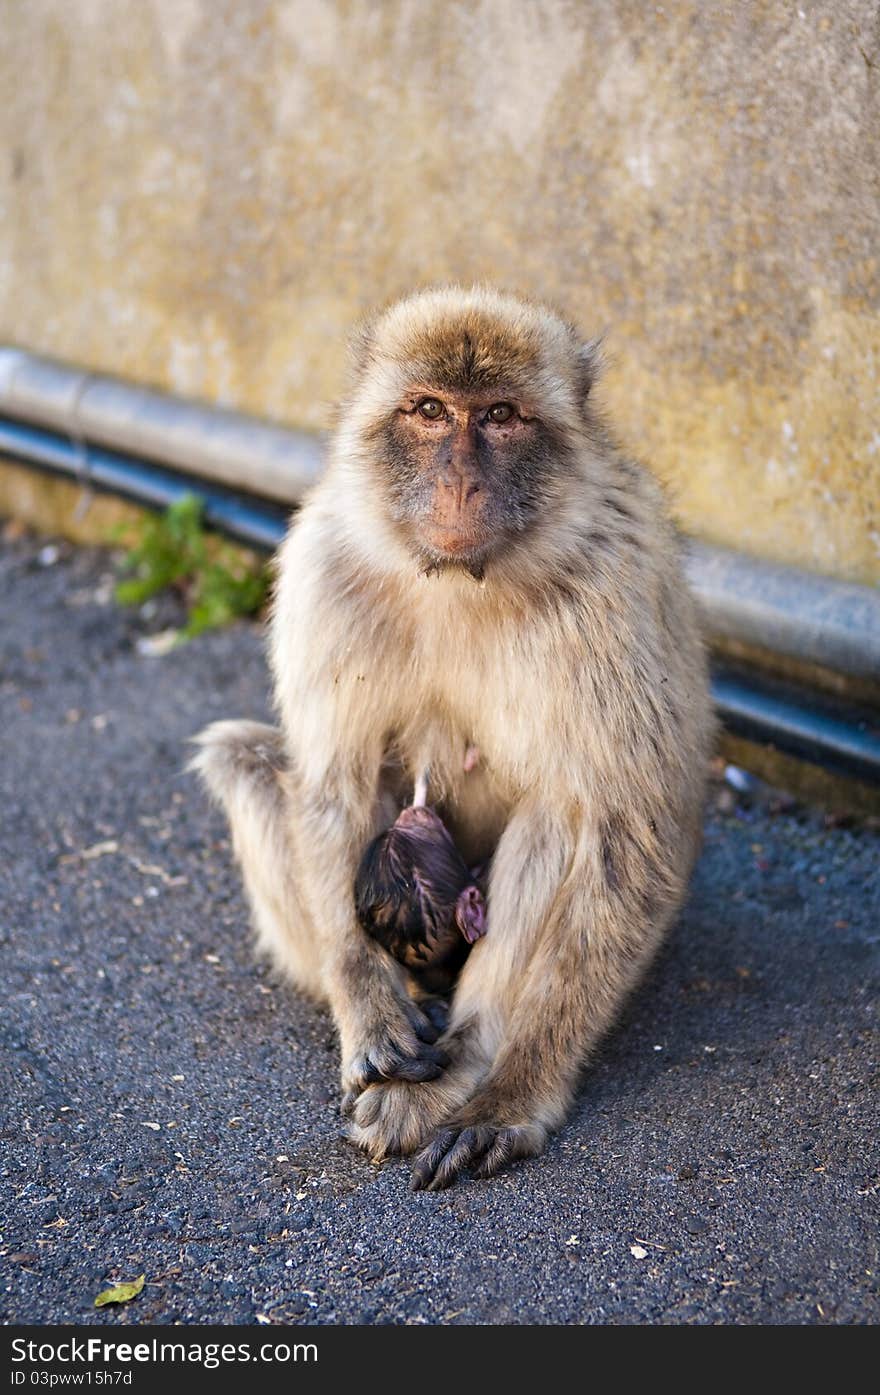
[589,364]
[361,345]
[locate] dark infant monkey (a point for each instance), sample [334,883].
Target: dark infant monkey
[415,894]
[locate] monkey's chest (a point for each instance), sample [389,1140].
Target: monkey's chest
[462,783]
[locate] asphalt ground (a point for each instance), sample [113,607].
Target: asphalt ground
[170,1109]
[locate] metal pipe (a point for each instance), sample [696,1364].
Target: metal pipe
[228,448]
[255,522]
[812,730]
[811,618]
[758,710]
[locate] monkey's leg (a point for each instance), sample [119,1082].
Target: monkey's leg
[244,766]
[583,958]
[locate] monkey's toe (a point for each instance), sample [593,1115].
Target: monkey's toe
[449,1153]
[348,1102]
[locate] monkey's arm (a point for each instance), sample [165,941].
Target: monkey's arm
[332,699]
[384,1034]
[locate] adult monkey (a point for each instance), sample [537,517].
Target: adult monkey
[480,566]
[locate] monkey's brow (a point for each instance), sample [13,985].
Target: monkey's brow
[502,392]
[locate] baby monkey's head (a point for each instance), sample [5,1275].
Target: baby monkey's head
[415,895]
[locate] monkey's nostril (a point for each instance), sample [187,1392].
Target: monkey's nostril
[470,491]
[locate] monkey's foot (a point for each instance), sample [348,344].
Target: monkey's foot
[396,1117]
[482,1149]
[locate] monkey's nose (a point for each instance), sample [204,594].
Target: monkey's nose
[461,487]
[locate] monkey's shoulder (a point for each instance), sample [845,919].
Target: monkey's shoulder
[323,576]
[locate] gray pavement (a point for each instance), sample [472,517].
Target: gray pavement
[170,1109]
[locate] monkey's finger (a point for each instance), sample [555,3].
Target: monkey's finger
[424,1029]
[370,1073]
[395,1064]
[419,1071]
[421,1023]
[395,1054]
[426,1064]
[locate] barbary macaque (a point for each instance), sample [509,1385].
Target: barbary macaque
[415,895]
[481,566]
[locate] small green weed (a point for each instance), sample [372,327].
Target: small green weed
[174,550]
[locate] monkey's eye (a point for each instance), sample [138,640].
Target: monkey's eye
[500,413]
[431,409]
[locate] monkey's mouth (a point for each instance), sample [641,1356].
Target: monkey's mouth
[445,537]
[462,545]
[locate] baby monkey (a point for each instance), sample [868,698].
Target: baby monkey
[414,894]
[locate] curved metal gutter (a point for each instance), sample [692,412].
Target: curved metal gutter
[228,448]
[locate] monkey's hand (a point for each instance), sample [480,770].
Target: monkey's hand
[480,1148]
[398,1046]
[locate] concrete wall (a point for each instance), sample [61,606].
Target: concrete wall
[204,194]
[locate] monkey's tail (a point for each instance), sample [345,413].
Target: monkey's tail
[238,753]
[243,766]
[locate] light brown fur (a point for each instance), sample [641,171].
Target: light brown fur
[575,666]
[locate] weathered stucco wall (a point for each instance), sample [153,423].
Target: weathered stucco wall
[204,194]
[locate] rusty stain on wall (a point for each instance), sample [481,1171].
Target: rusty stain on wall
[205,195]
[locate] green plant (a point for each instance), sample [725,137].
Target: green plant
[215,580]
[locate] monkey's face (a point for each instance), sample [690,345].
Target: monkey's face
[465,473]
[470,407]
